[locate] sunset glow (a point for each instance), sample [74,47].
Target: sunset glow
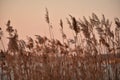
[28,16]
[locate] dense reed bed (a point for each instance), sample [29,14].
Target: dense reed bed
[92,54]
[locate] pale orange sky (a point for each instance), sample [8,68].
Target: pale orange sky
[28,16]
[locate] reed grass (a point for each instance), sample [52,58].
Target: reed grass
[50,59]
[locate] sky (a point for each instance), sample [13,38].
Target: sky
[28,16]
